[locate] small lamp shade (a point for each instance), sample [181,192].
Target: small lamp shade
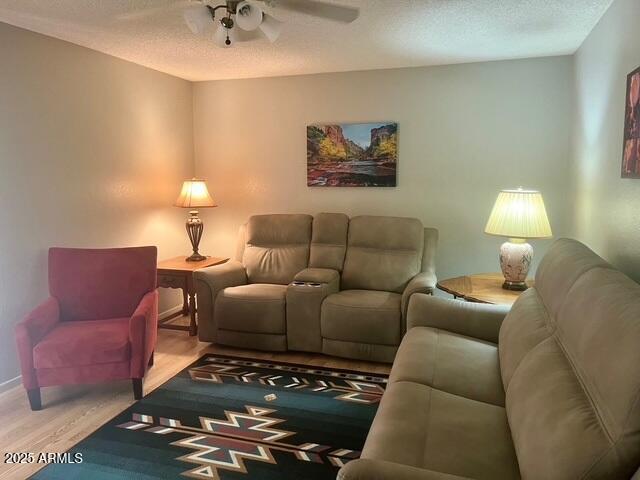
[519,214]
[194,194]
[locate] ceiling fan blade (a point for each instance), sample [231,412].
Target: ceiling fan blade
[247,36]
[316,8]
[152,11]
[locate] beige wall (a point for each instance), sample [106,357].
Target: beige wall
[607,207]
[465,132]
[92,153]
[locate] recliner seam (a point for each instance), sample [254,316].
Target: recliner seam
[583,386]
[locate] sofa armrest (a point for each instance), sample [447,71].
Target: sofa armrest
[31,330]
[424,282]
[478,320]
[318,275]
[209,282]
[369,469]
[143,333]
[219,277]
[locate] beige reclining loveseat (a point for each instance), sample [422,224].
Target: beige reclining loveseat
[325,284]
[549,392]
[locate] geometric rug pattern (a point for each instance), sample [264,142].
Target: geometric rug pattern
[226,418]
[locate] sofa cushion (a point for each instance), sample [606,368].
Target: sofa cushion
[363,316]
[573,399]
[277,247]
[383,253]
[84,342]
[256,308]
[563,264]
[449,362]
[419,426]
[329,241]
[526,325]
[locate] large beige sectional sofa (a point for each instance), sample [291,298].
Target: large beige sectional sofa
[326,284]
[549,390]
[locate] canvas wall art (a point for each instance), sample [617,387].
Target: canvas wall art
[631,147]
[352,155]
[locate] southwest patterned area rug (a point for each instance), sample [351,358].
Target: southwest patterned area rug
[230,418]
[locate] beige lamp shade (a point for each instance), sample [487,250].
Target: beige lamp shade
[194,194]
[519,214]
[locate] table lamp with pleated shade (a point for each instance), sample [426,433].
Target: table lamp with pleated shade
[194,195]
[518,214]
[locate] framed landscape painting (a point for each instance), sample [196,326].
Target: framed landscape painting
[631,147]
[352,155]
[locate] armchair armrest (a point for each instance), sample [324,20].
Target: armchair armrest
[369,469]
[424,282]
[31,330]
[478,320]
[209,282]
[318,275]
[143,333]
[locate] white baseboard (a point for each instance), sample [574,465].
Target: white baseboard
[9,384]
[171,311]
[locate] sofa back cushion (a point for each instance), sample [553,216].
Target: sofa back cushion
[96,284]
[570,364]
[277,247]
[329,241]
[383,253]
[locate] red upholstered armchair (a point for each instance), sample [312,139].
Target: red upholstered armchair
[99,323]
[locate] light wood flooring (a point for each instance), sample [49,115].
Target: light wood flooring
[73,412]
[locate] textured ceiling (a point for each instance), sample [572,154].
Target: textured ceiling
[389,33]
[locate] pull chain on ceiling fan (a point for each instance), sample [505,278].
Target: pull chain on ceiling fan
[236,20]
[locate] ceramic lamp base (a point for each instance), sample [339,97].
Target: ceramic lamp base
[515,260]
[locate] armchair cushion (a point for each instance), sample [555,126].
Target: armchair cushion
[255,308]
[362,316]
[100,283]
[476,320]
[450,362]
[87,342]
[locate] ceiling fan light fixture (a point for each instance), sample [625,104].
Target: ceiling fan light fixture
[271,27]
[197,19]
[224,37]
[248,16]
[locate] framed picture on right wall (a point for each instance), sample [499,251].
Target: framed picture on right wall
[631,147]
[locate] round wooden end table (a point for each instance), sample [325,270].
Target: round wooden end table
[481,288]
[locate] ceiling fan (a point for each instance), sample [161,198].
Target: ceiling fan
[240,20]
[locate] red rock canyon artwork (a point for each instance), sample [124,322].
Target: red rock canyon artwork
[631,147]
[352,155]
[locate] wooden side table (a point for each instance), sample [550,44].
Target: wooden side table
[481,288]
[178,273]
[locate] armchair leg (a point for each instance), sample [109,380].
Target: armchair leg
[137,388]
[151,359]
[34,399]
